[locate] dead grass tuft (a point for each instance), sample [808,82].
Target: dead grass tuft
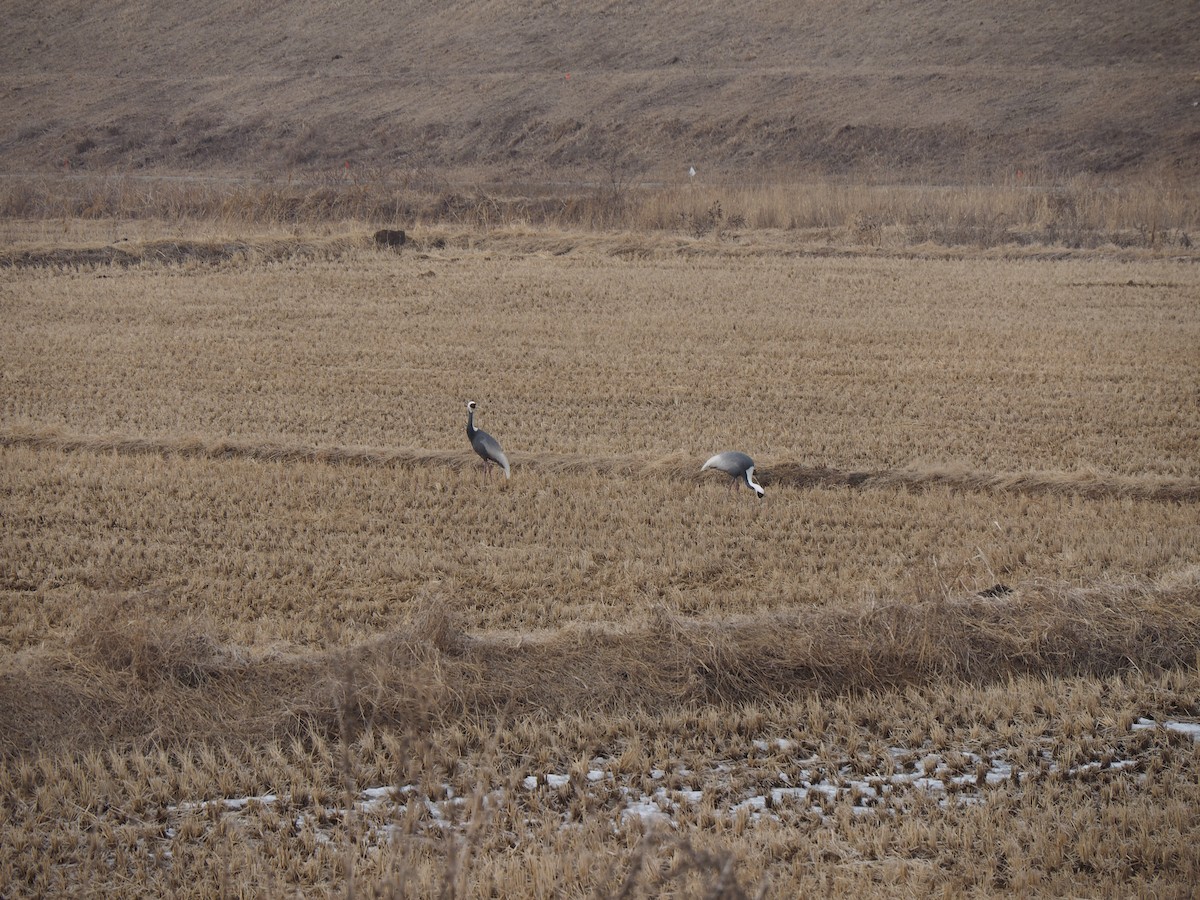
[661,862]
[435,621]
[120,637]
[1047,629]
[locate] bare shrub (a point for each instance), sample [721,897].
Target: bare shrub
[867,229]
[1062,219]
[700,223]
[969,229]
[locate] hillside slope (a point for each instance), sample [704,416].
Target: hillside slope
[921,90]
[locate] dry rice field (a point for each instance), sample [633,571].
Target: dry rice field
[267,630]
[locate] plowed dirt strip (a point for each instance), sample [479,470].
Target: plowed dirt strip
[1089,485]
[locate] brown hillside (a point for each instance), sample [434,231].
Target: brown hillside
[921,90]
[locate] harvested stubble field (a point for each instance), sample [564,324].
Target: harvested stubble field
[266,630]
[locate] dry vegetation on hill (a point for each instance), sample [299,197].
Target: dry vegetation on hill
[495,91]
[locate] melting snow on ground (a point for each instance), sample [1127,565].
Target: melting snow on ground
[799,787]
[1191,729]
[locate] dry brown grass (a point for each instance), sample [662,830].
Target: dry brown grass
[991,365]
[265,631]
[344,546]
[1090,802]
[917,91]
[246,555]
[132,666]
[1159,214]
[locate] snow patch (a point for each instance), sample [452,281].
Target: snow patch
[789,788]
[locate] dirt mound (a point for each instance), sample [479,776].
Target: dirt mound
[167,253]
[167,680]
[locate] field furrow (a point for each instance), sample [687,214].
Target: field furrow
[678,467]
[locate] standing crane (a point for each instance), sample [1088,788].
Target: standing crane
[484,444]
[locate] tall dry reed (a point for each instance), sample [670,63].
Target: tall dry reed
[1077,212]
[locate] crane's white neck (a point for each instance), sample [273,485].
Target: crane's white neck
[752,483]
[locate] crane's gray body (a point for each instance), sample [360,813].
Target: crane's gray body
[736,465]
[484,444]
